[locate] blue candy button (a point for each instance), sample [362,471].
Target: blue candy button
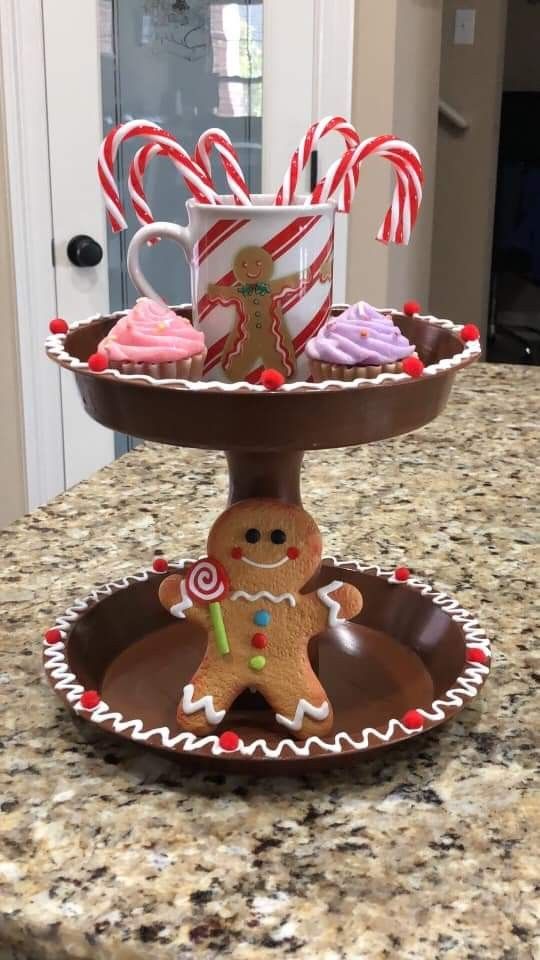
[262,618]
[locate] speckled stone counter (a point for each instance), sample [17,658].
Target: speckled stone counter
[427,851]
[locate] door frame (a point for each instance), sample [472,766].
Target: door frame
[27,146]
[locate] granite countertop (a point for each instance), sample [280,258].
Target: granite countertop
[110,851]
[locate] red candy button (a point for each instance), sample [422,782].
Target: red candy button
[97,363]
[413,720]
[90,699]
[411,307]
[402,574]
[259,640]
[293,553]
[160,564]
[229,740]
[58,325]
[413,366]
[52,636]
[470,332]
[476,655]
[272,379]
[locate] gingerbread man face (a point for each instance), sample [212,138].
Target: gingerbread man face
[265,544]
[253,265]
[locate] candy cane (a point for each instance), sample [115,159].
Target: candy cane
[299,160]
[207,583]
[195,178]
[402,214]
[229,160]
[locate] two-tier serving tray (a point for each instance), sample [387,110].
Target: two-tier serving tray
[410,661]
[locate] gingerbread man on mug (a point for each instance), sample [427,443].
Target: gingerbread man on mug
[269,551]
[260,333]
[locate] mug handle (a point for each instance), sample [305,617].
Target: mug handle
[153,231]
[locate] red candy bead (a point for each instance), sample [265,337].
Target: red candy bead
[58,325]
[259,640]
[90,699]
[97,363]
[411,306]
[402,574]
[476,655]
[229,740]
[293,553]
[272,379]
[413,366]
[160,564]
[470,332]
[413,720]
[52,636]
[236,553]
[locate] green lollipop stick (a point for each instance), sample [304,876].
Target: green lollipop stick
[220,634]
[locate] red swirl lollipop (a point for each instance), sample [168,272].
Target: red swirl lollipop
[207,583]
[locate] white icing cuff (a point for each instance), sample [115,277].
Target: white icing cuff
[304,708]
[334,606]
[206,703]
[185,603]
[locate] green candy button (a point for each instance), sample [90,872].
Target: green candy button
[257,663]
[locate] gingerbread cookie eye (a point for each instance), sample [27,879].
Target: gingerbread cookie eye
[253,535]
[278,536]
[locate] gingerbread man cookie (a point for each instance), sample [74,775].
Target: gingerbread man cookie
[260,334]
[268,550]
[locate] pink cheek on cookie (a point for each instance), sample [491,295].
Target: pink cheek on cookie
[293,553]
[236,553]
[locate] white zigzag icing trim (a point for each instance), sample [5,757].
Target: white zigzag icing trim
[304,708]
[54,345]
[334,606]
[466,686]
[274,598]
[185,603]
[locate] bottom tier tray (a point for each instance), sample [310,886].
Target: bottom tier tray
[411,660]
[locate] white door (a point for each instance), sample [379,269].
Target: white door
[261,70]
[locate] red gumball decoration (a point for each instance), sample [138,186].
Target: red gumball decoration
[58,325]
[413,366]
[229,740]
[272,379]
[52,636]
[410,307]
[160,564]
[402,574]
[413,720]
[90,699]
[470,332]
[97,362]
[476,655]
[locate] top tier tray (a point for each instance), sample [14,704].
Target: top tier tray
[245,417]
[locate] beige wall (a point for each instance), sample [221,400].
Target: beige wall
[395,90]
[522,62]
[471,81]
[12,484]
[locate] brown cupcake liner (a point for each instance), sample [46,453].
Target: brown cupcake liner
[191,368]
[338,371]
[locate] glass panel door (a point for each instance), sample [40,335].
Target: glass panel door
[187,65]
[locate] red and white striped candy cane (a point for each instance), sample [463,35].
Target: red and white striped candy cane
[300,158]
[401,216]
[218,139]
[196,179]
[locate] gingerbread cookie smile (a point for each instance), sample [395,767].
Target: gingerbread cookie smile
[259,636]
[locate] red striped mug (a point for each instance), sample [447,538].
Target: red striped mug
[261,281]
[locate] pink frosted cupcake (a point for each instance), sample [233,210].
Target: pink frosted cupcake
[153,339]
[361,342]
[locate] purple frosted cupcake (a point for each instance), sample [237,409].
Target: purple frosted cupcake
[361,342]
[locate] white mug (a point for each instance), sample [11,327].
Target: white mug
[261,281]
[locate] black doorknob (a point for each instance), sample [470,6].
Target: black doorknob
[83,251]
